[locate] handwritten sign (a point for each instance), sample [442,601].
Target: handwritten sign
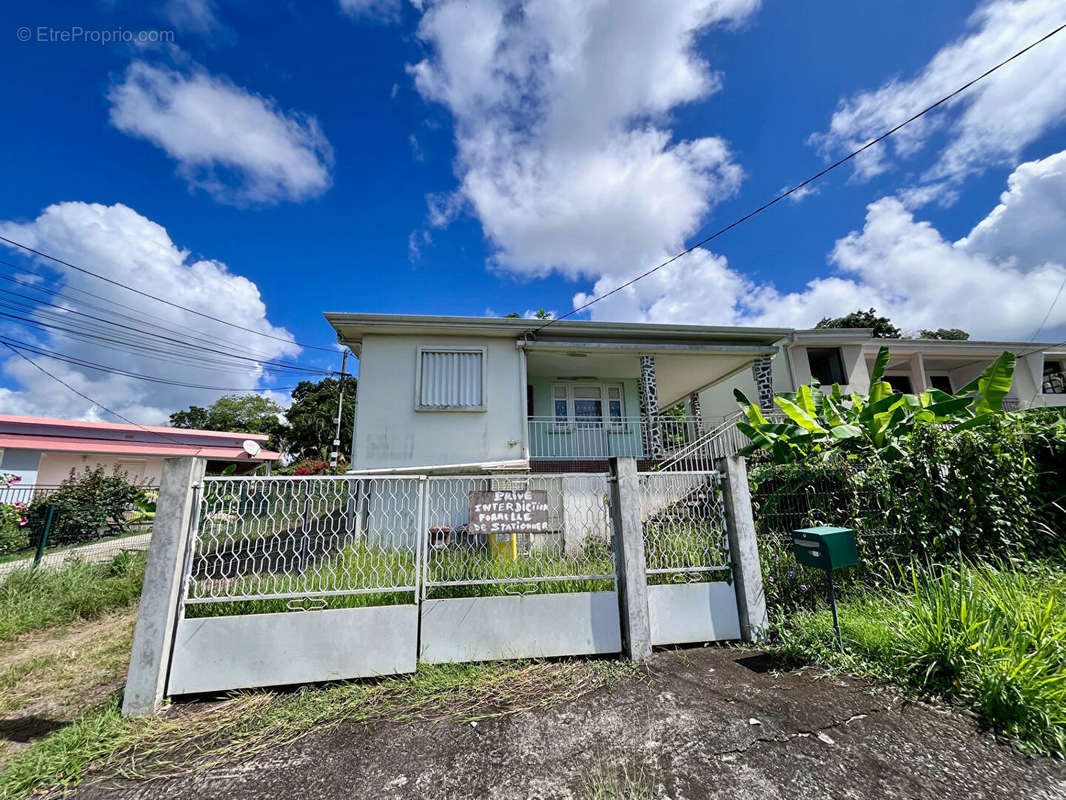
[509,512]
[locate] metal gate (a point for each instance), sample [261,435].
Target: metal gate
[687,560]
[347,549]
[549,592]
[302,579]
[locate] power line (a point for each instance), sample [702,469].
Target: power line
[113,282]
[184,330]
[799,186]
[80,362]
[275,364]
[94,402]
[1050,308]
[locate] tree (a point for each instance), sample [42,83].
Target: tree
[882,326]
[244,413]
[952,334]
[540,314]
[311,419]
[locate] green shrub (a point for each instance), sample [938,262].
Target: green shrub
[87,507]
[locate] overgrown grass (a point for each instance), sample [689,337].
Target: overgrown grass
[625,783]
[193,739]
[44,597]
[991,637]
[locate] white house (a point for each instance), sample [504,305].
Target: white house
[846,356]
[462,394]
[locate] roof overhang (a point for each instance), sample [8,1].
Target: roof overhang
[351,328]
[80,444]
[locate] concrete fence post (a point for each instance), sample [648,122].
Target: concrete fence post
[628,541]
[156,616]
[744,548]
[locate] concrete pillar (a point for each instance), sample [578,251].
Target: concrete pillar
[157,614]
[763,372]
[744,549]
[919,380]
[628,542]
[649,409]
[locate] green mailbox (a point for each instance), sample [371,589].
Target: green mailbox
[825,548]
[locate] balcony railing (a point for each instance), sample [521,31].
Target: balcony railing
[594,438]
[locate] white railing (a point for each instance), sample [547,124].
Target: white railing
[720,441]
[596,438]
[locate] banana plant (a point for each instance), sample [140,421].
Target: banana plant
[816,423]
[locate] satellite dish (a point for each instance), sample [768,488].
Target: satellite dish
[251,448]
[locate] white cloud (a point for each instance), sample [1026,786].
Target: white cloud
[238,146]
[991,123]
[997,282]
[379,10]
[196,16]
[125,246]
[564,153]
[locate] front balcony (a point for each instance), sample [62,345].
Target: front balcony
[599,438]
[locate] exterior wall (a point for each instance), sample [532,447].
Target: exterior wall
[850,354]
[55,467]
[22,463]
[717,401]
[390,433]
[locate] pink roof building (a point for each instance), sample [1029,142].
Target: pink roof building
[43,451]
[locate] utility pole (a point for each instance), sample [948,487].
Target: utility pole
[335,452]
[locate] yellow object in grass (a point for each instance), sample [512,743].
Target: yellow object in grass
[504,546]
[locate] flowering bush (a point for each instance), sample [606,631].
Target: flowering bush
[13,534]
[311,466]
[87,506]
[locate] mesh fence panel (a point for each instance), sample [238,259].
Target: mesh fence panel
[571,552]
[289,537]
[685,535]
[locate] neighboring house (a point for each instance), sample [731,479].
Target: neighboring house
[846,356]
[43,451]
[463,394]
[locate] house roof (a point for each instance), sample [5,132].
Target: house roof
[7,420]
[352,327]
[81,436]
[79,444]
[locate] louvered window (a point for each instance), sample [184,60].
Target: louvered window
[451,379]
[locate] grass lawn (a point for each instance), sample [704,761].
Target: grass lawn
[992,638]
[45,597]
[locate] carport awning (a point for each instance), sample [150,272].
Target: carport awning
[77,444]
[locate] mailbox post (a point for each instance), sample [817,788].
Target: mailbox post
[829,549]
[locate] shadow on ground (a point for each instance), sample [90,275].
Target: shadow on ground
[706,723]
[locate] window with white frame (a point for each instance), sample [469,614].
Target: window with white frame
[587,404]
[451,379]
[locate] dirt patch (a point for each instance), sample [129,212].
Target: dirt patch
[49,677]
[707,723]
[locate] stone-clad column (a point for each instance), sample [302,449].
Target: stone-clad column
[649,410]
[695,412]
[763,371]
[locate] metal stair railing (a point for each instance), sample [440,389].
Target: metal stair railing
[701,453]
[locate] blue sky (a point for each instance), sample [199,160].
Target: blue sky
[271,163]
